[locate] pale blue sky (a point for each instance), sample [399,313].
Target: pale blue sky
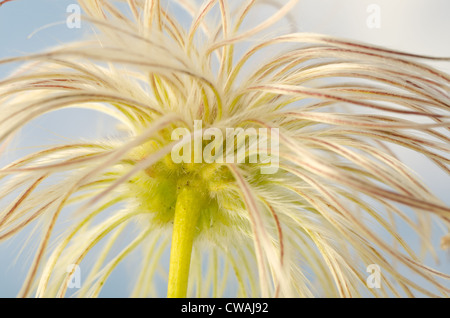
[420,26]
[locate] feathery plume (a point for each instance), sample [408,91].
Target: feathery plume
[293,216]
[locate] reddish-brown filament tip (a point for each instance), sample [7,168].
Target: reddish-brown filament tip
[4,1]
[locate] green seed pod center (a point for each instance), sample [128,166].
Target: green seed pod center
[156,190]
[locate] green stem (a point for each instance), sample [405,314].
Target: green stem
[187,211]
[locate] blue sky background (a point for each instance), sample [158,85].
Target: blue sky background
[419,26]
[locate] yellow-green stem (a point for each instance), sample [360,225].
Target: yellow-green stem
[187,211]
